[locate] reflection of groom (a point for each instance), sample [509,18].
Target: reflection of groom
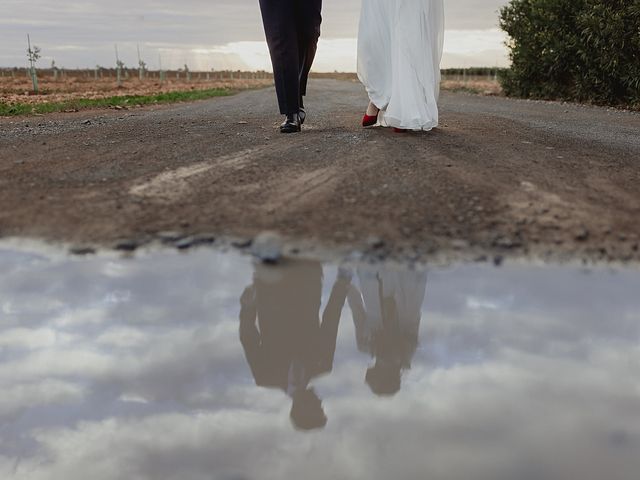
[289,346]
[292,28]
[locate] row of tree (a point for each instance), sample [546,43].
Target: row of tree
[34,54]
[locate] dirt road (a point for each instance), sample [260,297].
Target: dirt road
[499,177]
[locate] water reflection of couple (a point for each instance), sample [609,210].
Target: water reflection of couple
[287,345]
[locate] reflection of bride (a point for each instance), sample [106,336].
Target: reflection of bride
[386,313]
[285,343]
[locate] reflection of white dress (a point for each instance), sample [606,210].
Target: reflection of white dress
[406,288]
[399,51]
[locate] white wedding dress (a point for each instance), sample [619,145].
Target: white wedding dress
[399,52]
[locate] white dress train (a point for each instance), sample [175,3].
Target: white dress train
[399,52]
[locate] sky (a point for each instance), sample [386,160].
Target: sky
[212,34]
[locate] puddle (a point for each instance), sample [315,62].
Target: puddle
[206,366]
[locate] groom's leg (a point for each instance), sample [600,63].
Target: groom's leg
[279,18]
[309,19]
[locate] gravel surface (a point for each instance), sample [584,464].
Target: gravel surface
[499,178]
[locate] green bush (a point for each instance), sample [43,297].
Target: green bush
[578,50]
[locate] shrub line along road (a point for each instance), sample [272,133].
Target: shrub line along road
[499,177]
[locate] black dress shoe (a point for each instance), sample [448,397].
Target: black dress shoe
[291,124]
[303,115]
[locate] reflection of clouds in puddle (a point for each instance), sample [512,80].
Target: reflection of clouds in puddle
[115,270]
[20,398]
[482,304]
[116,297]
[8,308]
[132,398]
[81,317]
[122,337]
[519,373]
[475,423]
[55,362]
[33,339]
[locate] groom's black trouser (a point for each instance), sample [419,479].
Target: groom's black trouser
[292,28]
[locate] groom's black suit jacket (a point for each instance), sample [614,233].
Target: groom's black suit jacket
[292,28]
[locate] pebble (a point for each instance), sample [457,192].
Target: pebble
[80,250]
[242,243]
[267,246]
[375,242]
[194,241]
[582,235]
[126,245]
[460,244]
[506,242]
[184,243]
[204,239]
[170,236]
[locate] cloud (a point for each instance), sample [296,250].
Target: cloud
[201,33]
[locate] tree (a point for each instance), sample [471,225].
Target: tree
[33,54]
[119,68]
[142,66]
[162,75]
[582,50]
[54,68]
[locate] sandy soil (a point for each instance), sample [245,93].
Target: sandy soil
[499,178]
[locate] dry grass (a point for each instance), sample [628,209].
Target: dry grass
[479,86]
[17,90]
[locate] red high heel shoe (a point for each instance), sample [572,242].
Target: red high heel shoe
[399,130]
[370,120]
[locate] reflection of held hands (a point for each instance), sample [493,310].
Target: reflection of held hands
[345,274]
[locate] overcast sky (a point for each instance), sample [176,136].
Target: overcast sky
[211,33]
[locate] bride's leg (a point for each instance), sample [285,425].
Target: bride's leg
[374,55]
[371,116]
[372,110]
